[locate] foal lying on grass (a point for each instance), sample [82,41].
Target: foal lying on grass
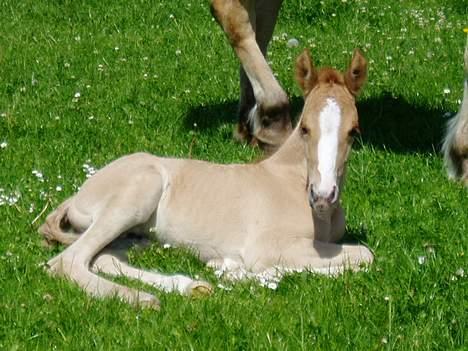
[283,212]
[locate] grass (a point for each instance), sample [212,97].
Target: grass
[85,82]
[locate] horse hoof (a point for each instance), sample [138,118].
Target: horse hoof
[55,267]
[199,289]
[151,303]
[241,133]
[367,256]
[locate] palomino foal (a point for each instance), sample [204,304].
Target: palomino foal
[455,146]
[283,212]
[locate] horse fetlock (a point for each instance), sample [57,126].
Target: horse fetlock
[242,133]
[58,266]
[270,138]
[270,126]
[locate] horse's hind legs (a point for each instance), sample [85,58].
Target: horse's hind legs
[73,263]
[109,263]
[130,206]
[94,285]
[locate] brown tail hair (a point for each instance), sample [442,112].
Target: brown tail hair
[54,228]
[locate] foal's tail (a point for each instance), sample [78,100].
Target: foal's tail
[56,223]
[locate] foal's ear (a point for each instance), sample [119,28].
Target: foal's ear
[356,75]
[306,74]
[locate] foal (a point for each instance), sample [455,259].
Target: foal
[283,212]
[455,146]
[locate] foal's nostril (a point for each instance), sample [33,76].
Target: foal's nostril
[333,195]
[322,199]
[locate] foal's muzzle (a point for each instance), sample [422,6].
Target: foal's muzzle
[321,201]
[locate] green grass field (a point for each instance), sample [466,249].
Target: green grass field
[82,83]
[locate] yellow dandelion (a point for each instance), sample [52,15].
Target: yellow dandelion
[465,30]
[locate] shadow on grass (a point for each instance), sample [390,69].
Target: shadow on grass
[395,124]
[387,123]
[210,117]
[355,235]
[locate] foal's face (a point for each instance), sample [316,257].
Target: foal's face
[328,125]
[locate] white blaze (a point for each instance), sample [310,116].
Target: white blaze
[330,120]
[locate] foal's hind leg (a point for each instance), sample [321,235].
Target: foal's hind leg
[73,263]
[108,262]
[132,204]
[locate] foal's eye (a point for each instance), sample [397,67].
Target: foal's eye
[304,130]
[354,132]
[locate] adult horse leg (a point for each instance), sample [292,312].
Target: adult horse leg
[264,106]
[266,14]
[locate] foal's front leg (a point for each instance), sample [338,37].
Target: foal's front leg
[332,229]
[324,258]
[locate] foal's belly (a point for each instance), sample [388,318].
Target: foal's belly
[201,223]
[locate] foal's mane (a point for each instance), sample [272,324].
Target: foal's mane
[330,76]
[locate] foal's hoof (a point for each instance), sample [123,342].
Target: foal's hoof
[199,289]
[367,256]
[56,267]
[150,302]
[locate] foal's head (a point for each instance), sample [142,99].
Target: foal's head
[328,125]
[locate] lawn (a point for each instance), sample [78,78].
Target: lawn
[82,83]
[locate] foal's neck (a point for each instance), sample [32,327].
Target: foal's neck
[291,154]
